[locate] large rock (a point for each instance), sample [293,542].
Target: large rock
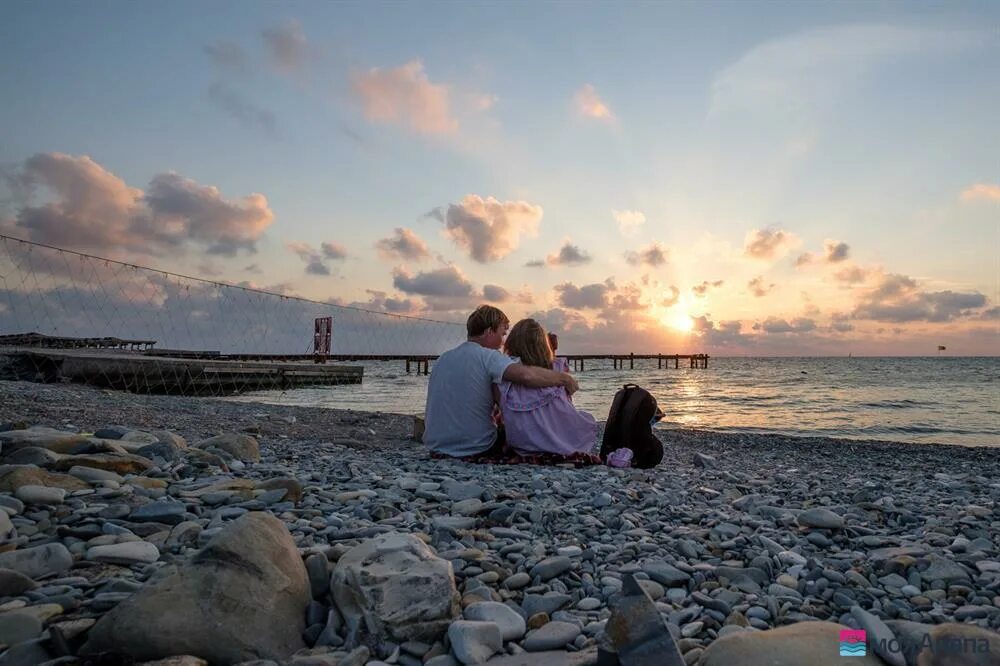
[394,587]
[292,487]
[32,455]
[58,441]
[813,643]
[242,597]
[120,463]
[13,477]
[39,561]
[242,447]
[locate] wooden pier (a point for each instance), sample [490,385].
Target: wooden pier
[150,373]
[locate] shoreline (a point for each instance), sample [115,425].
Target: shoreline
[732,534]
[49,402]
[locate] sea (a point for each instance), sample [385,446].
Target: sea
[947,400]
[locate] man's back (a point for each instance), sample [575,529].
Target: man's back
[460,400]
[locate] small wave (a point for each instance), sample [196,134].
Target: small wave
[895,404]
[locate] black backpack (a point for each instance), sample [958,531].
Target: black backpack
[630,426]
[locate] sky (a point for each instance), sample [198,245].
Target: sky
[737,178]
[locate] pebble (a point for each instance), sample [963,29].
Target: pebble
[552,636]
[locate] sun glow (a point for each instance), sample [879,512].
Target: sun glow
[679,320]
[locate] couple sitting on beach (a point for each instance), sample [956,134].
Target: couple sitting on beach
[535,416]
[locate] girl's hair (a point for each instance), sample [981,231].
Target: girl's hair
[527,340]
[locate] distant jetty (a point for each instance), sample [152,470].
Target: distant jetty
[135,366]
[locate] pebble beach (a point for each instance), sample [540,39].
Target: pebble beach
[132,523]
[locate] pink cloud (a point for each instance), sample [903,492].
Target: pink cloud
[405,96]
[589,104]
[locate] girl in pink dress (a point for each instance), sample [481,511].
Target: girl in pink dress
[541,420]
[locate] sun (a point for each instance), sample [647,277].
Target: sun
[680,320]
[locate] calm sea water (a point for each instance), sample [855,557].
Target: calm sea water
[938,399]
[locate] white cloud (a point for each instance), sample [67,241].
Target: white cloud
[629,221]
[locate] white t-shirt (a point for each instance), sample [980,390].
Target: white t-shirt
[460,400]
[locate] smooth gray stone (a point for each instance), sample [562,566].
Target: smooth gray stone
[512,626]
[665,573]
[16,627]
[878,635]
[517,581]
[161,511]
[474,642]
[820,517]
[39,561]
[319,575]
[551,567]
[551,636]
[549,603]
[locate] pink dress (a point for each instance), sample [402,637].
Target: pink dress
[544,420]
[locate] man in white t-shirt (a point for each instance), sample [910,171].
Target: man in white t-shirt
[458,418]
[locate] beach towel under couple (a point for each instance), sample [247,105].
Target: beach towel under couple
[629,426]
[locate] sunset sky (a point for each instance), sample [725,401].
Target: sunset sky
[732,178]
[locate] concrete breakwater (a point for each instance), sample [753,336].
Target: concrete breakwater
[157,526]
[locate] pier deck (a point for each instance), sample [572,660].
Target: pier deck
[149,373]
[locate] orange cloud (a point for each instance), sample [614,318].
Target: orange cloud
[405,96]
[981,191]
[590,104]
[489,229]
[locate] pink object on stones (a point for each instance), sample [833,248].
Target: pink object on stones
[620,458]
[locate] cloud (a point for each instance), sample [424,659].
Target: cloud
[852,275]
[316,260]
[379,301]
[981,191]
[405,96]
[589,104]
[723,334]
[495,293]
[776,325]
[287,47]
[990,314]
[228,57]
[253,268]
[90,208]
[404,244]
[792,75]
[488,229]
[568,255]
[537,263]
[700,290]
[590,296]
[898,299]
[333,251]
[805,259]
[675,295]
[651,255]
[758,288]
[234,103]
[767,243]
[835,251]
[629,221]
[447,282]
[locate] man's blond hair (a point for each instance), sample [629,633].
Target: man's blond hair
[484,318]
